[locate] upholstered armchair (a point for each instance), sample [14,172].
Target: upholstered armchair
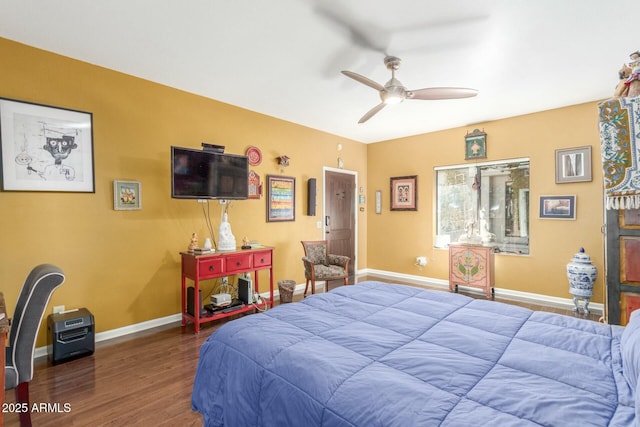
[32,301]
[321,266]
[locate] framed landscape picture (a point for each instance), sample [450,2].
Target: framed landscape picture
[558,207]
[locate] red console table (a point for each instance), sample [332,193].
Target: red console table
[210,266]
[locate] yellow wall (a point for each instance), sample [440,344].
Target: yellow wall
[124,266]
[552,243]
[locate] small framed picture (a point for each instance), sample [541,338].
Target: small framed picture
[404,193]
[475,144]
[281,198]
[378,201]
[573,165]
[557,207]
[127,195]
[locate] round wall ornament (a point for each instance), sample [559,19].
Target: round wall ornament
[255,156]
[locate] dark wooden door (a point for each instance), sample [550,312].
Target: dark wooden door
[622,263]
[340,216]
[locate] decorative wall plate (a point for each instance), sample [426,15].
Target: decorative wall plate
[255,156]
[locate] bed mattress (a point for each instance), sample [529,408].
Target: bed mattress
[378,354]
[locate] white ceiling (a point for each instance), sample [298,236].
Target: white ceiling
[283,58]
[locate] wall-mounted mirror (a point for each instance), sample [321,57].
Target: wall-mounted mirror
[484,203]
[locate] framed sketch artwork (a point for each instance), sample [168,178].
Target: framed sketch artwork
[45,148]
[404,193]
[573,165]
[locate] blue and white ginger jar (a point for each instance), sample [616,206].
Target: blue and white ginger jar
[582,275]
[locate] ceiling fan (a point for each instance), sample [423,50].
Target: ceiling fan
[393,92]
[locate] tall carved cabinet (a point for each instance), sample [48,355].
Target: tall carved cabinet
[619,122]
[622,264]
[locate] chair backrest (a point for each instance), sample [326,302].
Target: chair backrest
[32,301]
[315,250]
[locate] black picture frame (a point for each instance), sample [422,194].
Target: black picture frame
[46,148]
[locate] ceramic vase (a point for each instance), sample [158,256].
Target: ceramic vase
[582,275]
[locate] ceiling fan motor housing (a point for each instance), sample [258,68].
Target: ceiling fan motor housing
[393,92]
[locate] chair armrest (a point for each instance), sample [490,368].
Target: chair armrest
[341,260]
[308,266]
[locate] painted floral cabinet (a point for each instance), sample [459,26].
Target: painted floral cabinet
[472,265]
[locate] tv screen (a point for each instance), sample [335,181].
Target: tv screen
[199,174]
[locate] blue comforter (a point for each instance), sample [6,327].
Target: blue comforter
[376,354]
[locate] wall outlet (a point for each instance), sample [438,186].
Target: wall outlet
[319,224]
[225,281]
[421,261]
[58,309]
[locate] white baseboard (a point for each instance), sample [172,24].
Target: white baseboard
[149,324]
[125,330]
[564,303]
[508,294]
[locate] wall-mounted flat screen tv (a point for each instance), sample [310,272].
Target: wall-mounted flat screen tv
[202,174]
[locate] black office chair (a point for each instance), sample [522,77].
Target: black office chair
[27,317]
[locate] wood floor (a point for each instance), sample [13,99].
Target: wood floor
[143,379]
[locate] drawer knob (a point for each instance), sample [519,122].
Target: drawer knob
[211,268]
[261,259]
[239,263]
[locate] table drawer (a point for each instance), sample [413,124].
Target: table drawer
[239,262]
[261,259]
[210,267]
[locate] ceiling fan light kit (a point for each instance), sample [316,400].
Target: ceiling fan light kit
[393,92]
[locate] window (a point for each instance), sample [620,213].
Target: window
[484,203]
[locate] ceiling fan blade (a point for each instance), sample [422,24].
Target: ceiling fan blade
[362,34]
[371,112]
[364,80]
[441,93]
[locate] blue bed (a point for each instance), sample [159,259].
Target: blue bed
[377,354]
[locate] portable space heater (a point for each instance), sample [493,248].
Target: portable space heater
[70,335]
